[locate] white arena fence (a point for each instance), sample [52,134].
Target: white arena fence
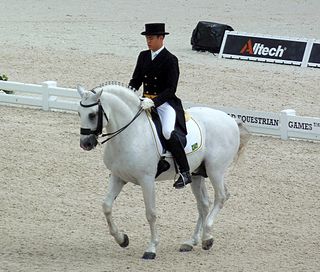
[48,96]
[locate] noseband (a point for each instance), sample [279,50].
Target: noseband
[98,130]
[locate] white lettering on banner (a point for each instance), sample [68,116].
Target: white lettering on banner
[272,52]
[261,49]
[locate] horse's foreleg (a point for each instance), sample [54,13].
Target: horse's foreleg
[148,188]
[115,187]
[200,192]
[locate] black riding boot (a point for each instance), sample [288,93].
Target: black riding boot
[176,147]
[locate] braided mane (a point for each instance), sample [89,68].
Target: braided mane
[114,83]
[123,91]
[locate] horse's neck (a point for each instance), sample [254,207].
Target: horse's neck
[120,111]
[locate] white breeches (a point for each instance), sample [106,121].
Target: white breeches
[168,119]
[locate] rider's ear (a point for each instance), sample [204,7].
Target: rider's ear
[80,90]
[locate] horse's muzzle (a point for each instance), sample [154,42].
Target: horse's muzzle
[88,142]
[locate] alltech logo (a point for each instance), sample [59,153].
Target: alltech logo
[263,49]
[260,49]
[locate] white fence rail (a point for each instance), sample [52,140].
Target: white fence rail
[48,96]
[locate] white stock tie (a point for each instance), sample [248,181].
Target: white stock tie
[153,55]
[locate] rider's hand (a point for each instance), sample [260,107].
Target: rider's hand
[146,103]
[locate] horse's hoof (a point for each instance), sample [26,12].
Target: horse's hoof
[149,256]
[125,242]
[206,245]
[186,248]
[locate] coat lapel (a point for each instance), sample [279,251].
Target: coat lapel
[156,63]
[161,56]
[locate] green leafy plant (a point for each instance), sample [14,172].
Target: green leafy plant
[5,78]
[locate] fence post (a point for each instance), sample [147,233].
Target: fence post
[284,122]
[45,93]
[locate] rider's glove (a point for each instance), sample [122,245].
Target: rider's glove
[146,103]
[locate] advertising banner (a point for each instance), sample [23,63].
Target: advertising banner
[260,48]
[314,60]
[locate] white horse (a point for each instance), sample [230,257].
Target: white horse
[131,155]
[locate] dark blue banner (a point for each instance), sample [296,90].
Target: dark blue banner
[315,54]
[267,48]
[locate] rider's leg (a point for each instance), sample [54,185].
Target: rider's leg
[176,147]
[167,117]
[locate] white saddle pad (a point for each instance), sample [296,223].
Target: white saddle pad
[194,137]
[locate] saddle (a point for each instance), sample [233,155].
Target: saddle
[193,139]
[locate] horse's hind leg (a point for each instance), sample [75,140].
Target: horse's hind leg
[115,187]
[200,192]
[220,196]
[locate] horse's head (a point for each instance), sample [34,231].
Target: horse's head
[91,115]
[116,99]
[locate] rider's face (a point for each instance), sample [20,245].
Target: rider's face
[154,42]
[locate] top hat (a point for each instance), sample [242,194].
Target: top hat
[154,29]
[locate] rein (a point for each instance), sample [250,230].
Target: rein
[115,133]
[98,131]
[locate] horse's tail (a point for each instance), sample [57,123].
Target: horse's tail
[244,138]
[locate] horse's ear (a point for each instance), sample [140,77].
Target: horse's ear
[98,93]
[80,90]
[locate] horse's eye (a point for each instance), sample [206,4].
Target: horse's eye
[92,116]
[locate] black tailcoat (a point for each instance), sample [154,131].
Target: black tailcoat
[160,78]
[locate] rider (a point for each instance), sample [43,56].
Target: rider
[158,70]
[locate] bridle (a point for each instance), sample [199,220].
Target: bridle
[101,114]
